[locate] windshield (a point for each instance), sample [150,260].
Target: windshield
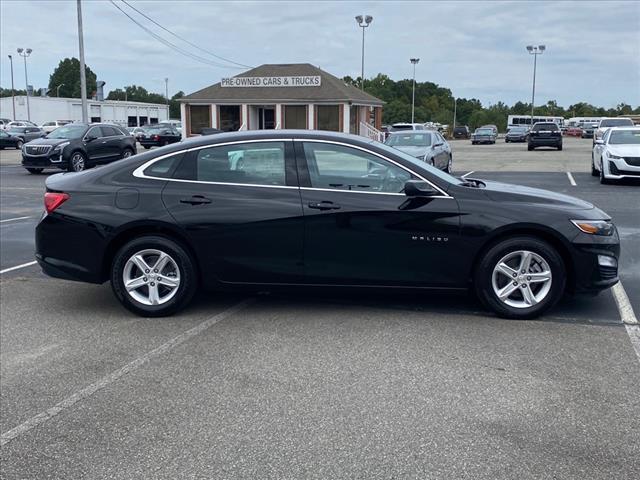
[625,137]
[616,122]
[518,129]
[545,126]
[484,131]
[68,131]
[419,163]
[409,140]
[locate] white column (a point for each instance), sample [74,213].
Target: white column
[311,124]
[279,115]
[245,116]
[346,115]
[214,116]
[183,119]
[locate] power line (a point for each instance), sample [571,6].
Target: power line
[171,45]
[184,39]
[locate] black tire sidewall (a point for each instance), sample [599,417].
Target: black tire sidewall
[188,276]
[84,157]
[484,272]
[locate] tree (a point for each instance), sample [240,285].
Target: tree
[67,74]
[174,105]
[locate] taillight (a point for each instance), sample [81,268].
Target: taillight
[156,137]
[53,200]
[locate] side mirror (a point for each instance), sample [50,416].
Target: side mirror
[90,138]
[437,144]
[599,142]
[418,188]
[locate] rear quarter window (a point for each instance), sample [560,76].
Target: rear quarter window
[164,168]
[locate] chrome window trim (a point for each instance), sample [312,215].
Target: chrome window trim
[139,172]
[444,194]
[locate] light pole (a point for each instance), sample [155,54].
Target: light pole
[24,54]
[363,22]
[455,110]
[13,91]
[414,61]
[166,92]
[58,90]
[535,51]
[83,74]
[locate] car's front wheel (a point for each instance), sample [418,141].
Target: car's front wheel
[19,144]
[127,152]
[520,277]
[594,171]
[34,170]
[77,162]
[153,276]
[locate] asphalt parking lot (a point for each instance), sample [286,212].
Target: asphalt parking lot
[318,385]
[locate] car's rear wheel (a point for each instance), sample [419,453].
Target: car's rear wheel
[560,147]
[19,144]
[153,276]
[34,170]
[127,152]
[449,166]
[529,147]
[521,277]
[77,162]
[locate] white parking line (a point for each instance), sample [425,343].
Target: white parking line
[468,173]
[13,219]
[571,179]
[627,315]
[86,392]
[17,267]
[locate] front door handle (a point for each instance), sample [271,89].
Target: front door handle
[196,200]
[325,205]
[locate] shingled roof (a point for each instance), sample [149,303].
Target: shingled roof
[331,89]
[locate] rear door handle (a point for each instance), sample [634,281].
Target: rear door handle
[196,200]
[325,205]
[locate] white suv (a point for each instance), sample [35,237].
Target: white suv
[51,126]
[608,123]
[398,127]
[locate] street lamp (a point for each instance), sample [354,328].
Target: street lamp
[24,54]
[414,61]
[58,90]
[363,22]
[13,92]
[534,50]
[455,110]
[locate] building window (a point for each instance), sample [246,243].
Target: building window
[95,120]
[200,116]
[229,118]
[143,121]
[295,116]
[328,117]
[132,121]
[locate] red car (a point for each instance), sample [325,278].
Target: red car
[574,132]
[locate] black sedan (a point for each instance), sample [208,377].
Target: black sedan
[277,209]
[516,134]
[158,136]
[78,146]
[8,140]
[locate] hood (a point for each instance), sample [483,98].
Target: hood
[624,150]
[418,152]
[505,192]
[48,141]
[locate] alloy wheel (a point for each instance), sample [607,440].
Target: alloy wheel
[151,277]
[521,279]
[77,162]
[126,154]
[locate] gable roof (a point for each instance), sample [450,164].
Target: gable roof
[331,89]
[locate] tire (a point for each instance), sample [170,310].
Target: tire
[545,294]
[127,152]
[603,180]
[559,147]
[164,143]
[146,147]
[35,171]
[530,147]
[473,143]
[19,144]
[594,172]
[179,269]
[77,162]
[449,168]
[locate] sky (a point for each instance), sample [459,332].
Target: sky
[476,49]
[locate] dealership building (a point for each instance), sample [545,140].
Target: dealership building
[48,109]
[299,96]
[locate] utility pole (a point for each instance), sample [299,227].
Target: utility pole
[83,74]
[13,91]
[414,61]
[455,110]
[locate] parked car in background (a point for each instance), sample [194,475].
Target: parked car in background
[461,131]
[616,155]
[4,123]
[159,135]
[27,133]
[51,126]
[78,146]
[574,132]
[587,130]
[608,123]
[21,123]
[493,127]
[397,127]
[177,124]
[135,131]
[516,134]
[428,146]
[483,135]
[10,141]
[313,209]
[544,134]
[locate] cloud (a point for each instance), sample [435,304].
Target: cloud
[476,49]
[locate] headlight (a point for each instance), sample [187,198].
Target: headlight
[613,157]
[595,227]
[61,146]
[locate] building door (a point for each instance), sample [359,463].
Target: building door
[266,118]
